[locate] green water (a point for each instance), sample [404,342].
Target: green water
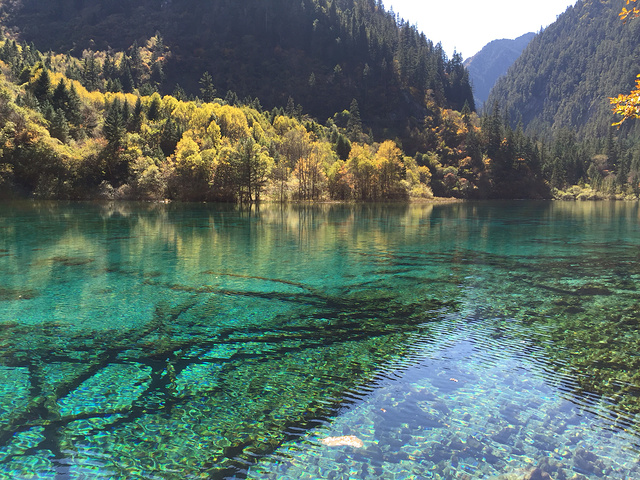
[209,342]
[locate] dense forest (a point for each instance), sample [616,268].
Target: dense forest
[100,124]
[567,73]
[320,53]
[63,138]
[156,119]
[559,90]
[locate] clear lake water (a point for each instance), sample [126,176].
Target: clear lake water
[489,340]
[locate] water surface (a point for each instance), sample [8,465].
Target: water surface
[198,341]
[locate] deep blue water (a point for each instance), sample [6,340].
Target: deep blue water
[467,340]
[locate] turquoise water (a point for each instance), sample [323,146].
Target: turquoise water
[207,342]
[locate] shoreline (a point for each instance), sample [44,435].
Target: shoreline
[562,196]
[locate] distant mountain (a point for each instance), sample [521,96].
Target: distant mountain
[493,61]
[321,53]
[565,76]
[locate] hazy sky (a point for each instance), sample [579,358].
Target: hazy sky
[468,25]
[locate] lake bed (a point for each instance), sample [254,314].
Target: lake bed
[466,340]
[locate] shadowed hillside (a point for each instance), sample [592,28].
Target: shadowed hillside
[493,61]
[321,53]
[564,78]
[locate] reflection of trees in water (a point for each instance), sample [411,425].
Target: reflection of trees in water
[396,268]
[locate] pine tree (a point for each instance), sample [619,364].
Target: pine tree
[114,126]
[466,114]
[170,136]
[291,107]
[207,89]
[73,108]
[59,98]
[59,127]
[91,72]
[136,118]
[343,147]
[231,98]
[109,70]
[137,65]
[157,73]
[179,93]
[125,75]
[158,47]
[154,108]
[354,124]
[42,86]
[126,113]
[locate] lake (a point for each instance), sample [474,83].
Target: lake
[467,340]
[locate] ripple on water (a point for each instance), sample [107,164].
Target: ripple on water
[503,415]
[445,339]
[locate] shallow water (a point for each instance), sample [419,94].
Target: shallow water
[195,341]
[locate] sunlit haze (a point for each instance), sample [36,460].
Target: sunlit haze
[468,25]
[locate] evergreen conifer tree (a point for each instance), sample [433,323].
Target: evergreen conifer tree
[59,126]
[114,126]
[42,86]
[354,124]
[73,107]
[136,118]
[91,72]
[207,89]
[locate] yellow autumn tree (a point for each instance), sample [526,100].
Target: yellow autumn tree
[310,171]
[233,123]
[192,169]
[362,168]
[628,106]
[388,161]
[294,145]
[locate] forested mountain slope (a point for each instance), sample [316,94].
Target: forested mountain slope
[67,130]
[321,53]
[564,78]
[104,116]
[493,61]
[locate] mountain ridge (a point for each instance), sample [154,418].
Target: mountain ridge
[493,61]
[565,76]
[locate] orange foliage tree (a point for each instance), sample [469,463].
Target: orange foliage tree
[627,14]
